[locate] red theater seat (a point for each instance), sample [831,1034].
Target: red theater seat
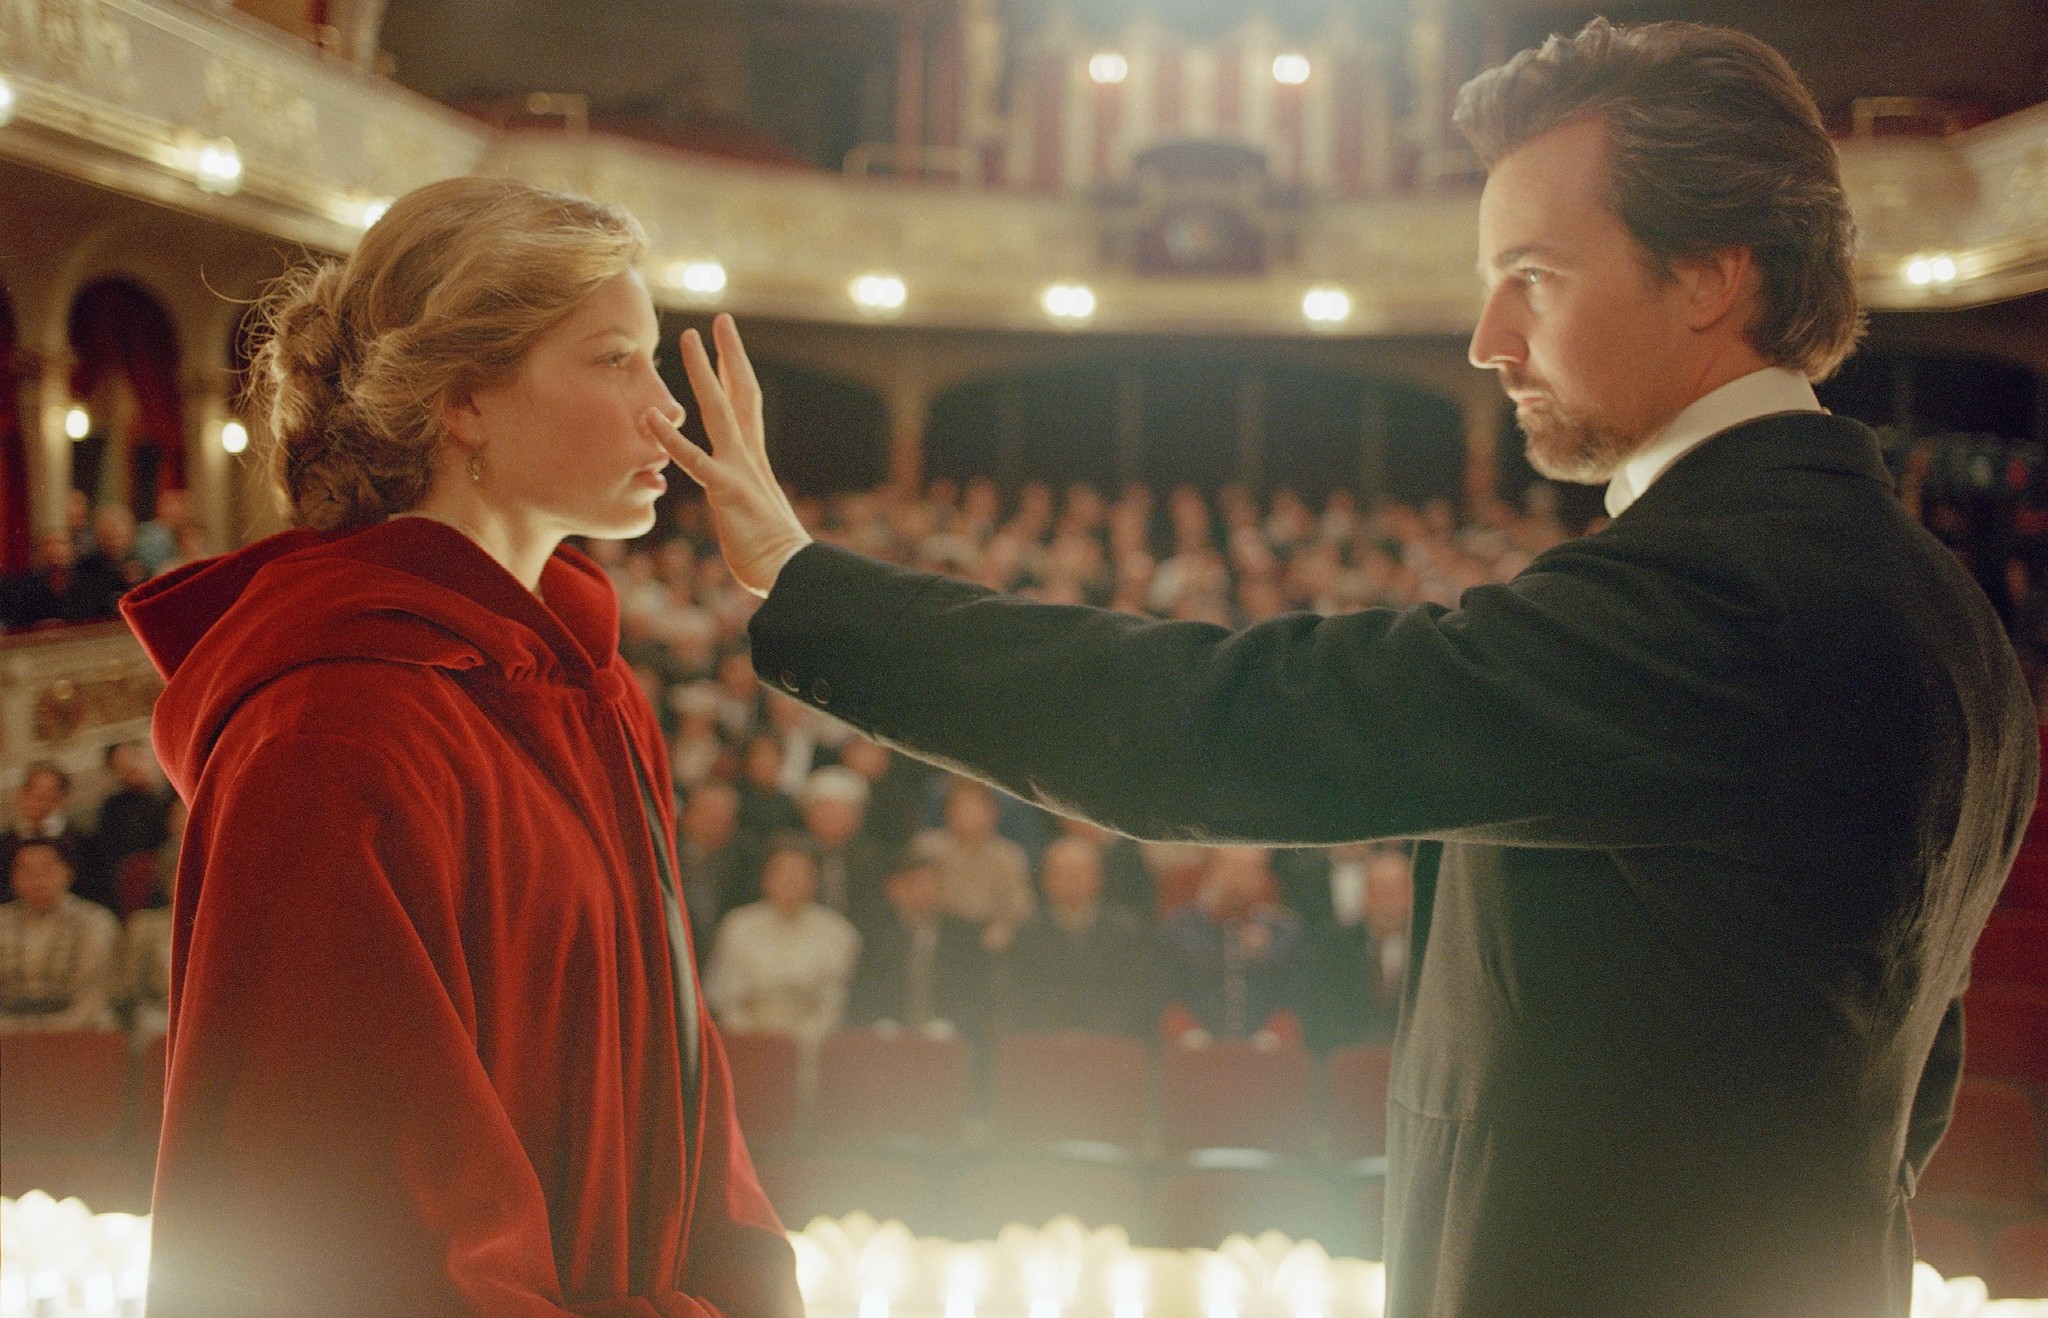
[1358,1101]
[1033,1191]
[1051,1088]
[2012,950]
[1947,1244]
[2026,888]
[2019,1262]
[1990,1157]
[67,1088]
[888,1189]
[883,1088]
[764,1084]
[1198,1209]
[1232,1094]
[2005,1032]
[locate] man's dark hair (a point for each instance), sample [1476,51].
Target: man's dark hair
[1712,143]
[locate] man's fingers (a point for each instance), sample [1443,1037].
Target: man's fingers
[695,462]
[733,366]
[712,404]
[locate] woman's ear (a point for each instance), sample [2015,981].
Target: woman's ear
[461,421]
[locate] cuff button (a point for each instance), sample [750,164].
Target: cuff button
[821,692]
[789,681]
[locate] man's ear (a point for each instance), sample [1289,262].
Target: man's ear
[1716,285]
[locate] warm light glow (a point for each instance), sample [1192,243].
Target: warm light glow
[879,292]
[1107,67]
[874,1304]
[77,423]
[6,102]
[219,167]
[1072,302]
[1326,305]
[1940,268]
[234,436]
[1291,68]
[373,211]
[704,279]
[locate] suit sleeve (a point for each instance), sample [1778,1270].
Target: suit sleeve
[1602,698]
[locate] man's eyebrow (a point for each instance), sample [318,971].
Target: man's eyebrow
[1514,254]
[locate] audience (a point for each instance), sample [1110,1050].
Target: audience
[850,861]
[1077,964]
[57,949]
[781,965]
[145,979]
[134,820]
[1358,949]
[40,803]
[716,869]
[105,574]
[921,968]
[984,878]
[1232,963]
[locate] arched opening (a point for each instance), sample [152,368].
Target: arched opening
[125,376]
[17,535]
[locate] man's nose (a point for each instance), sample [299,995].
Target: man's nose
[1495,342]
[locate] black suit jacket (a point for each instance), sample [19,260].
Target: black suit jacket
[1100,981]
[881,979]
[1724,794]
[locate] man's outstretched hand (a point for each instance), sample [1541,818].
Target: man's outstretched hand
[757,529]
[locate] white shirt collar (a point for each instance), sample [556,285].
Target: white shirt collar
[1766,392]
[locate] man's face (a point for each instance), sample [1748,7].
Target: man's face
[914,892]
[833,822]
[41,796]
[1588,343]
[789,880]
[41,878]
[712,816]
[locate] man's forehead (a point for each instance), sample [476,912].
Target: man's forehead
[1544,196]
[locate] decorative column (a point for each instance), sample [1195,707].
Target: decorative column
[208,466]
[1429,76]
[908,397]
[45,397]
[910,62]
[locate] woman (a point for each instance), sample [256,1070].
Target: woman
[435,1041]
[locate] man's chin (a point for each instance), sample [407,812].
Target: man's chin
[1570,451]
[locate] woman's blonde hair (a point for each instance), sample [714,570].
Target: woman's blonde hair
[444,295]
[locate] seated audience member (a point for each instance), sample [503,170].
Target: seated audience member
[43,594]
[781,965]
[895,790]
[696,750]
[850,863]
[1126,882]
[156,540]
[716,868]
[765,809]
[103,576]
[920,968]
[56,950]
[1078,963]
[1358,955]
[983,878]
[739,696]
[1231,964]
[146,947]
[800,729]
[134,819]
[40,811]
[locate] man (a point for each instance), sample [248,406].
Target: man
[103,576]
[57,950]
[1358,949]
[920,968]
[850,862]
[40,805]
[1077,964]
[134,820]
[1719,796]
[781,965]
[717,869]
[1231,962]
[985,878]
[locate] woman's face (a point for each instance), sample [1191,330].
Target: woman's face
[563,449]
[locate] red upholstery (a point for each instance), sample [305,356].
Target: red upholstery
[1054,1087]
[887,1088]
[1232,1094]
[1358,1101]
[63,1088]
[2005,1032]
[1947,1244]
[2026,888]
[1990,1156]
[1199,1209]
[2019,1262]
[764,1084]
[991,1194]
[884,1188]
[2012,950]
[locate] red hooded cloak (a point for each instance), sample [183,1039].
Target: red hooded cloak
[423,1046]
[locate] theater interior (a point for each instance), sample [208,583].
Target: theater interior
[1223,246]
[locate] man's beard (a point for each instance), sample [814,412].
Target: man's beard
[1563,447]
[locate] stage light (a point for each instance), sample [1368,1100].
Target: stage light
[373,211]
[218,168]
[1069,302]
[1920,271]
[700,279]
[1108,68]
[1943,268]
[6,102]
[1326,305]
[1291,68]
[234,436]
[77,423]
[878,292]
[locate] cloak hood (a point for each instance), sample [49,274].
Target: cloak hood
[405,591]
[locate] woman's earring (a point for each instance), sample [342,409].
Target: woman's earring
[476,467]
